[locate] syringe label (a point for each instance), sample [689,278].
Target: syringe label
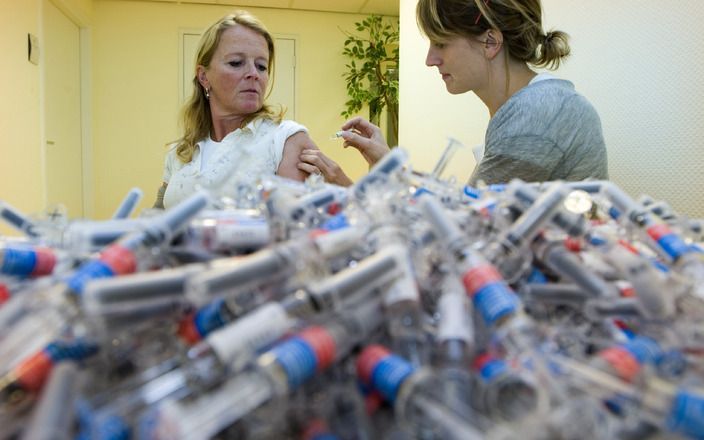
[622,361]
[18,262]
[645,349]
[494,302]
[298,360]
[477,277]
[668,241]
[687,415]
[385,371]
[489,367]
[322,343]
[89,271]
[120,259]
[250,333]
[46,261]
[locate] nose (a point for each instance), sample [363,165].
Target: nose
[432,58]
[252,71]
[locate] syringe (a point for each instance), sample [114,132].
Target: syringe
[18,220]
[128,203]
[279,371]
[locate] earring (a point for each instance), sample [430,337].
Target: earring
[207,93]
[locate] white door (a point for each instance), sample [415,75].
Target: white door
[62,111]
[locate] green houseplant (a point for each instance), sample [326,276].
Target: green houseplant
[372,72]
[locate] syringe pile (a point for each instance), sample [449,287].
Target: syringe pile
[404,306]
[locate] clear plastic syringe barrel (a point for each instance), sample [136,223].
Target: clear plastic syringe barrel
[228,231]
[656,234]
[455,331]
[444,227]
[162,228]
[28,328]
[85,236]
[28,377]
[305,260]
[503,392]
[413,394]
[120,258]
[629,359]
[53,415]
[122,301]
[128,203]
[454,343]
[227,350]
[490,294]
[651,285]
[380,173]
[525,227]
[203,418]
[373,272]
[117,413]
[572,223]
[555,294]
[568,265]
[449,151]
[280,370]
[271,265]
[18,220]
[248,272]
[310,205]
[672,409]
[404,315]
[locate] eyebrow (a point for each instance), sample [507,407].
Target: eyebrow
[231,54]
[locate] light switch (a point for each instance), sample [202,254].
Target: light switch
[33,49]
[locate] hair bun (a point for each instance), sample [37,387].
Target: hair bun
[548,37]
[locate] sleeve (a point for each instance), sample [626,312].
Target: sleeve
[528,158]
[285,130]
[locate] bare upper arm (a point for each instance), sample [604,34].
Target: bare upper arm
[293,147]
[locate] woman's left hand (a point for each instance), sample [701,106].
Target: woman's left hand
[315,162]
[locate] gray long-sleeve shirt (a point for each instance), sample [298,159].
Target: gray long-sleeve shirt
[545,131]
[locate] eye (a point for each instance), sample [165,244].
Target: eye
[438,45]
[235,63]
[262,67]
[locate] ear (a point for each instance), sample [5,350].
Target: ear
[202,78]
[493,43]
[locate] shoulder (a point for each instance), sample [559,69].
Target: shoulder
[291,127]
[553,95]
[267,125]
[542,105]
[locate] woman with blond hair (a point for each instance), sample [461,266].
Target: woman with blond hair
[226,123]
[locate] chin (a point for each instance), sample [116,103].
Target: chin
[456,90]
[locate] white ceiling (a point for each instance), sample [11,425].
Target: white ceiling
[383,7]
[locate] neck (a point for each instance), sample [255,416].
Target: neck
[505,80]
[224,125]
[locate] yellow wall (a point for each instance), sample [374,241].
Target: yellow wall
[79,11]
[20,160]
[21,114]
[135,87]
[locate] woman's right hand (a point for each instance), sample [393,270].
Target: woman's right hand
[366,138]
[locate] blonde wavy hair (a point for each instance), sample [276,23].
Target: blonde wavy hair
[196,119]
